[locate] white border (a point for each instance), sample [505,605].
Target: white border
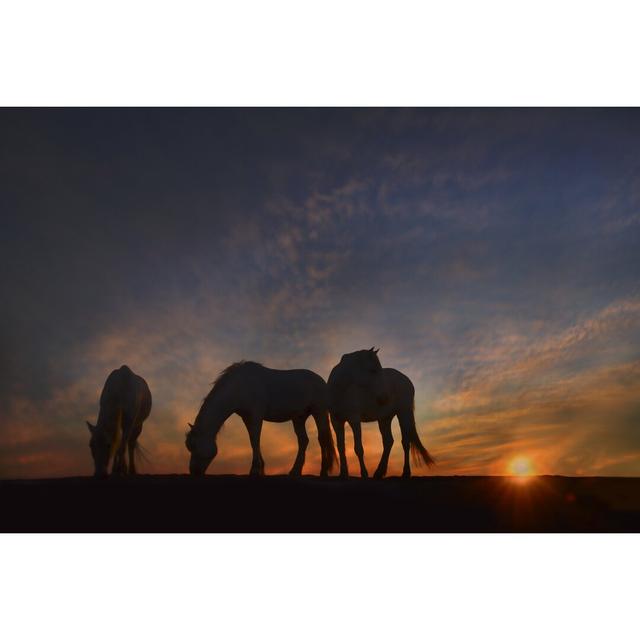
[329,53]
[319,586]
[335,52]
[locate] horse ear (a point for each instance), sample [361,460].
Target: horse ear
[190,425]
[376,351]
[91,427]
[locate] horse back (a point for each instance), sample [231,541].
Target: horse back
[297,381]
[394,394]
[398,385]
[127,392]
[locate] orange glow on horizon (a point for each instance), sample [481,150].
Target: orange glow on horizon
[521,467]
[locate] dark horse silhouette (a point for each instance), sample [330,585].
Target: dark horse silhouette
[125,403]
[257,393]
[360,390]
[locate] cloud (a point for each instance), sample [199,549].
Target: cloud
[562,400]
[490,254]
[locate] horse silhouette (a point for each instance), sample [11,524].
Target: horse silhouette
[360,390]
[125,403]
[257,393]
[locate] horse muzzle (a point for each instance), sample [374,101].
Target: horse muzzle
[198,466]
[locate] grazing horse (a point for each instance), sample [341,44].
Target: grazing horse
[257,393]
[360,390]
[125,404]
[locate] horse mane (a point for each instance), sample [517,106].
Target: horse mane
[225,375]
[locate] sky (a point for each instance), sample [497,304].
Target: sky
[493,255]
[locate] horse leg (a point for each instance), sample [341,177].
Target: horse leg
[127,428]
[119,461]
[116,468]
[326,442]
[303,441]
[133,439]
[406,445]
[387,443]
[338,427]
[254,427]
[357,445]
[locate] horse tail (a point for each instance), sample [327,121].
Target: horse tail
[419,453]
[326,441]
[141,453]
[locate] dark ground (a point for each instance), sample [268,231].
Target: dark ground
[309,504]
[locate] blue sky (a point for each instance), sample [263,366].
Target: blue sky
[492,255]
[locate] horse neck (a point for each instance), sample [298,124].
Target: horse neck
[213,413]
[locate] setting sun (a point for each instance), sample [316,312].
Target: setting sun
[521,466]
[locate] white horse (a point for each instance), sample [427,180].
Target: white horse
[257,393]
[125,403]
[360,390]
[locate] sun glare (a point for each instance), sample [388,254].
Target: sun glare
[521,467]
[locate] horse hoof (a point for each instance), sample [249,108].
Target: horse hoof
[295,473]
[378,475]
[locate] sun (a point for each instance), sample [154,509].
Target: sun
[521,466]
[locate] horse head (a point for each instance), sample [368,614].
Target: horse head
[363,369]
[100,445]
[203,450]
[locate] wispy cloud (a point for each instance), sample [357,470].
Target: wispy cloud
[568,401]
[492,255]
